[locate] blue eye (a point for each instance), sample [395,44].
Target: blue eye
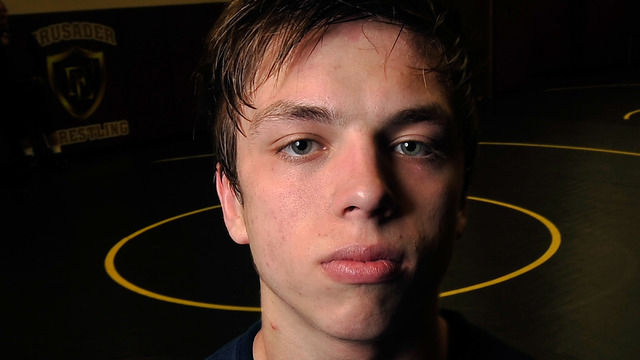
[413,148]
[301,147]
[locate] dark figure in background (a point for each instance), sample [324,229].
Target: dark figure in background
[25,118]
[345,134]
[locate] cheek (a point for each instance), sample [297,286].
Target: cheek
[280,204]
[435,198]
[279,215]
[288,193]
[268,241]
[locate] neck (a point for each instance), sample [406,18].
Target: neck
[411,336]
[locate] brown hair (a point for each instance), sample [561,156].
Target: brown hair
[248,30]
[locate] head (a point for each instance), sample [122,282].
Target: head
[345,133]
[248,31]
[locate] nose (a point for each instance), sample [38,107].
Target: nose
[363,188]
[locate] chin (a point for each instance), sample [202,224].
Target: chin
[363,332]
[360,322]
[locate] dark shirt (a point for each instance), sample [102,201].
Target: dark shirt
[240,348]
[466,342]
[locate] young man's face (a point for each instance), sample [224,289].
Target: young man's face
[351,175]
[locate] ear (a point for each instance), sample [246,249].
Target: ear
[461,222]
[232,210]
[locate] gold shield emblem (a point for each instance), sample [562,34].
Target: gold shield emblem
[78,78]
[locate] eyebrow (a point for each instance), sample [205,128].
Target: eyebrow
[432,113]
[291,111]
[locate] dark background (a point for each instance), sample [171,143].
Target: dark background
[547,72]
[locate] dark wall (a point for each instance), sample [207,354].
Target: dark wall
[523,44]
[548,42]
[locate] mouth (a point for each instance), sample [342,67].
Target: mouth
[363,264]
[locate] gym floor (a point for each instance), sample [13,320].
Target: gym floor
[98,264]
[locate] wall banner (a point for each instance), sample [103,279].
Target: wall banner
[82,71]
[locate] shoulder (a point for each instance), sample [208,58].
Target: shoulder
[240,348]
[468,342]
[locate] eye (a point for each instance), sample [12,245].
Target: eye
[413,148]
[301,147]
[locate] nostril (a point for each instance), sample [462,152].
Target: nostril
[382,208]
[386,210]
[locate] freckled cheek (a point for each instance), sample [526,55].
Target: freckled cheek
[269,241]
[418,184]
[282,214]
[435,200]
[280,253]
[292,199]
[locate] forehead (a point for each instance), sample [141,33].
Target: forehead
[395,41]
[393,44]
[354,65]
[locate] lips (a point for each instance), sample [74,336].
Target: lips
[363,264]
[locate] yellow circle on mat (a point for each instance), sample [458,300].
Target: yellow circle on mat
[109,262]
